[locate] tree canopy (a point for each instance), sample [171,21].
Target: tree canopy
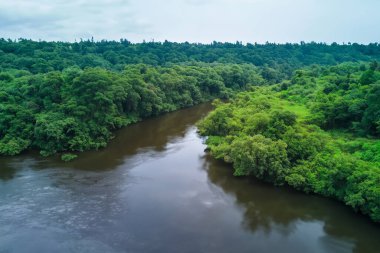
[76,110]
[317,132]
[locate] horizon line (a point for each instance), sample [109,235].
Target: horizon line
[237,42]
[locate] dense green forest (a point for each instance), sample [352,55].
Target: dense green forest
[76,110]
[317,132]
[305,115]
[277,61]
[60,96]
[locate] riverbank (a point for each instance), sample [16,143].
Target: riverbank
[270,138]
[153,189]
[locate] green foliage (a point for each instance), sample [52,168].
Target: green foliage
[13,145]
[262,138]
[276,61]
[340,176]
[340,97]
[369,152]
[77,110]
[261,157]
[68,157]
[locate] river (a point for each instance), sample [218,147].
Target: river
[154,189]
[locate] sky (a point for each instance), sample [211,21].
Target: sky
[201,21]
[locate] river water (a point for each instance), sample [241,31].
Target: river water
[154,189]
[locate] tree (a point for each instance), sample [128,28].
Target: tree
[260,157]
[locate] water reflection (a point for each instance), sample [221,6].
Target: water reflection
[7,172]
[268,209]
[152,134]
[9,166]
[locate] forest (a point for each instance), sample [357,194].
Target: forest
[305,115]
[318,132]
[277,61]
[62,97]
[76,110]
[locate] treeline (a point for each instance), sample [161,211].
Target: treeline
[274,133]
[76,110]
[278,61]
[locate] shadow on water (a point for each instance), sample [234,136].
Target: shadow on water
[7,170]
[268,208]
[10,166]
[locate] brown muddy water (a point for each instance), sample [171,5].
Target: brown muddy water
[154,189]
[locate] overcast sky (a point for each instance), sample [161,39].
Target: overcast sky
[193,20]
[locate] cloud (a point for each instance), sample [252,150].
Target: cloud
[69,20]
[192,20]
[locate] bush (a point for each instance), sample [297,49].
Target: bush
[68,157]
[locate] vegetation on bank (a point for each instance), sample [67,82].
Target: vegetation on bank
[76,110]
[310,125]
[317,132]
[62,97]
[68,157]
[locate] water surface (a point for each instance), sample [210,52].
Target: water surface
[154,189]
